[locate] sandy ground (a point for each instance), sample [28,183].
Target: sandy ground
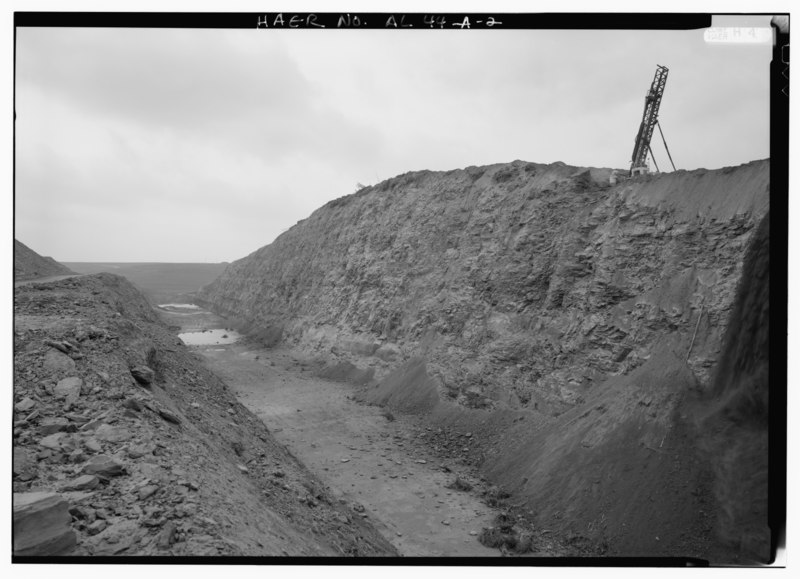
[365,458]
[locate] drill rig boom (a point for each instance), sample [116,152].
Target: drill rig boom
[649,119]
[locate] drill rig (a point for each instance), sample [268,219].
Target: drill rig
[652,102]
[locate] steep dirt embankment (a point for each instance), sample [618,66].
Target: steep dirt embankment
[563,319]
[124,444]
[30,265]
[737,417]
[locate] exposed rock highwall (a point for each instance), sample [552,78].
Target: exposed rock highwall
[570,325]
[522,285]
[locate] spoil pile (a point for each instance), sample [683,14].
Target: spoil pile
[30,265]
[124,444]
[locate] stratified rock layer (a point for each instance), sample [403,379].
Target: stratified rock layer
[42,525]
[522,285]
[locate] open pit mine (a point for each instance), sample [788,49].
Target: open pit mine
[572,327]
[586,354]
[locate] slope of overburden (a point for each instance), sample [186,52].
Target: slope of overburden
[124,444]
[737,414]
[30,265]
[564,320]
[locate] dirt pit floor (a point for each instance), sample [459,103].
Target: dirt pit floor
[363,456]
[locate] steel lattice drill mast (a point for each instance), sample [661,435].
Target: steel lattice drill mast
[649,120]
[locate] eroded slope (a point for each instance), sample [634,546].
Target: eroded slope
[30,265]
[151,451]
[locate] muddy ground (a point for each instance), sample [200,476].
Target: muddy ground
[365,454]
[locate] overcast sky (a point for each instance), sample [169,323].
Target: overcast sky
[204,145]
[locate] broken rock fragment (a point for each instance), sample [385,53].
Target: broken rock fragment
[133,404]
[68,387]
[92,445]
[42,525]
[52,425]
[143,375]
[147,491]
[103,465]
[56,362]
[169,416]
[82,483]
[110,433]
[24,405]
[167,535]
[139,450]
[24,464]
[60,441]
[96,527]
[61,346]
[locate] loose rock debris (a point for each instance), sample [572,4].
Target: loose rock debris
[115,456]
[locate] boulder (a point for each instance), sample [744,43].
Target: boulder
[61,346]
[77,418]
[167,535]
[77,456]
[140,450]
[96,527]
[24,405]
[92,445]
[58,363]
[24,465]
[169,416]
[143,374]
[110,433]
[147,491]
[52,425]
[82,483]
[103,465]
[92,424]
[60,441]
[68,388]
[42,525]
[133,404]
[83,513]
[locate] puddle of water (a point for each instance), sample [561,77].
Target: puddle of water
[173,307]
[210,337]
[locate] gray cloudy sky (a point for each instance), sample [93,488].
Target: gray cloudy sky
[204,145]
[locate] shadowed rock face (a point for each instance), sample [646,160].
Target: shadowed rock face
[738,415]
[522,285]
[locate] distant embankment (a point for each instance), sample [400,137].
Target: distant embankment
[30,265]
[160,282]
[563,319]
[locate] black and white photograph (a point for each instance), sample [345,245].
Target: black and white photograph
[389,287]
